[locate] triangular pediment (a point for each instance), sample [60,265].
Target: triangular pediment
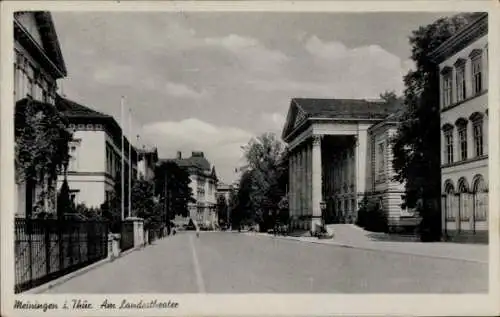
[35,31]
[30,24]
[294,118]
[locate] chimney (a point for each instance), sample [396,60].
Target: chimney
[197,154]
[179,155]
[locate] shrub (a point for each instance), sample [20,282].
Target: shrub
[371,216]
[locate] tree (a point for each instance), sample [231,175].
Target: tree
[41,147]
[264,156]
[64,203]
[222,209]
[416,145]
[144,204]
[111,209]
[172,184]
[233,205]
[390,96]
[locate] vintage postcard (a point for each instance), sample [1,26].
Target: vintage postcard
[250,158]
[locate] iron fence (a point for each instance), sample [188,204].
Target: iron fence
[46,249]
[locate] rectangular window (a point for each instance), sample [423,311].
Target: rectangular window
[478,137]
[380,160]
[477,83]
[448,141]
[462,136]
[460,78]
[447,89]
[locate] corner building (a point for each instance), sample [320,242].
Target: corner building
[463,69]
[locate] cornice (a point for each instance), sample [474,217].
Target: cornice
[26,40]
[462,39]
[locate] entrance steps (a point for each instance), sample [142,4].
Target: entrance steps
[349,233]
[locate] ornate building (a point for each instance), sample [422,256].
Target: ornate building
[340,152]
[463,71]
[96,155]
[38,64]
[204,186]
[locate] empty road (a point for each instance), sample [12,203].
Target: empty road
[226,262]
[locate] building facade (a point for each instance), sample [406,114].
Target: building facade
[96,156]
[204,186]
[147,159]
[38,64]
[463,69]
[332,143]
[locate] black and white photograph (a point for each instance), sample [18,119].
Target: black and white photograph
[247,152]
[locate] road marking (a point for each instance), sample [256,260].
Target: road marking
[197,269]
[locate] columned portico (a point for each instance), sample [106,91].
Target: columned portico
[328,157]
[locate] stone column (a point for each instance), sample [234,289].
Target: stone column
[316,181]
[302,184]
[294,177]
[291,194]
[309,182]
[360,161]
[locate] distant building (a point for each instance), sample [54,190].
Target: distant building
[96,155]
[463,70]
[38,64]
[340,152]
[224,190]
[204,186]
[147,159]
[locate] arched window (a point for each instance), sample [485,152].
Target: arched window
[448,143]
[446,86]
[449,207]
[463,189]
[461,124]
[477,128]
[477,71]
[460,79]
[480,198]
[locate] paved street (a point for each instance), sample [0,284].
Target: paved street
[225,262]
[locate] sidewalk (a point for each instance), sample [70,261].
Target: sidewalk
[445,250]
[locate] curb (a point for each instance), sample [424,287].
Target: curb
[44,287]
[350,246]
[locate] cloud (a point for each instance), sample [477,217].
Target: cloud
[333,70]
[274,121]
[221,144]
[183,91]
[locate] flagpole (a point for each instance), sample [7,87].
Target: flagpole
[122,119]
[130,162]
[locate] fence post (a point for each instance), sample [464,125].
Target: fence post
[78,242]
[60,237]
[29,226]
[46,227]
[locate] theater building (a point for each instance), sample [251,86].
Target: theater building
[339,152]
[463,69]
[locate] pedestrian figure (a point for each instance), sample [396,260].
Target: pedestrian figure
[197,231]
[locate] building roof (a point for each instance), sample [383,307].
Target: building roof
[343,108]
[197,160]
[462,38]
[305,109]
[74,109]
[77,113]
[51,48]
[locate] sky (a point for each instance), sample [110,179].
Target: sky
[210,81]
